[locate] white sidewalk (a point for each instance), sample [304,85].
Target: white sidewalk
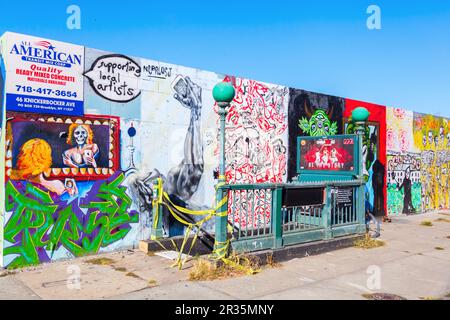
[414,263]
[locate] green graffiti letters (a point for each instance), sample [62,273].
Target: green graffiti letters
[39,225]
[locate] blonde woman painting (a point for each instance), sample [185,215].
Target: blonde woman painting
[35,157]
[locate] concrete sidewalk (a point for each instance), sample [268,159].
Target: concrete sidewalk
[414,264]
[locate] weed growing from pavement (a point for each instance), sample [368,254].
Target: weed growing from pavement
[121,269]
[101,261]
[429,298]
[426,223]
[442,220]
[368,243]
[133,275]
[152,282]
[238,265]
[6,273]
[270,261]
[150,253]
[382,296]
[439,248]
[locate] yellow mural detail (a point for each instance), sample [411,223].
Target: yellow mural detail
[432,138]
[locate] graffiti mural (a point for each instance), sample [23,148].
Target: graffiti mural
[311,114]
[256,150]
[84,148]
[432,138]
[404,183]
[374,152]
[255,134]
[161,109]
[78,175]
[40,225]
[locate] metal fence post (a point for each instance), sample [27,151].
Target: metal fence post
[276,217]
[326,213]
[157,211]
[361,210]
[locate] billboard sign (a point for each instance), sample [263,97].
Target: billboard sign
[331,154]
[43,76]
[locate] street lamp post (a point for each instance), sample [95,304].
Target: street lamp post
[360,116]
[223,94]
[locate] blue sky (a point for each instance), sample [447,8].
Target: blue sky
[322,46]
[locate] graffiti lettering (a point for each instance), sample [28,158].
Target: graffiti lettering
[155,71]
[39,225]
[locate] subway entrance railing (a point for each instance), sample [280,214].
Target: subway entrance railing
[272,216]
[325,201]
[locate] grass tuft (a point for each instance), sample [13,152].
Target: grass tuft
[426,223]
[101,261]
[6,273]
[270,261]
[133,275]
[429,298]
[121,269]
[235,265]
[439,248]
[368,243]
[152,282]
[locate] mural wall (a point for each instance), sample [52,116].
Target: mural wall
[418,162]
[404,183]
[86,132]
[256,145]
[2,151]
[432,139]
[82,183]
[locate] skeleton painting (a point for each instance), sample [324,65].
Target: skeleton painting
[85,148]
[84,151]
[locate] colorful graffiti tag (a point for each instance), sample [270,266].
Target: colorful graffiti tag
[40,224]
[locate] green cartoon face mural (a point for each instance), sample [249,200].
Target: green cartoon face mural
[318,125]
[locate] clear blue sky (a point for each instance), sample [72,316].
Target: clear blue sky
[319,45]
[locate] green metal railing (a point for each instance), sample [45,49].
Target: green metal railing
[260,220]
